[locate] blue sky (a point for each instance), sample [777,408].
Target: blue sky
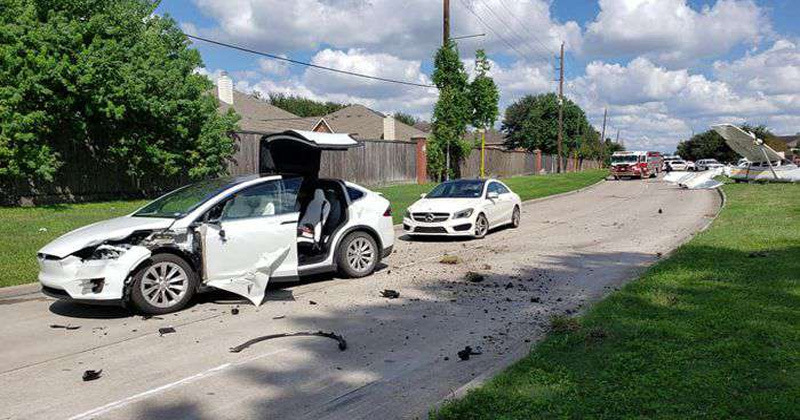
[663,68]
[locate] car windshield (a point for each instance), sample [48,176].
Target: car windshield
[461,188]
[183,200]
[624,159]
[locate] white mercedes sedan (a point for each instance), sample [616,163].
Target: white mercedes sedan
[463,207]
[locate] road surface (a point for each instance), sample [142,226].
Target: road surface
[401,360]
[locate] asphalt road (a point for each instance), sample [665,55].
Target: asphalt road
[401,359]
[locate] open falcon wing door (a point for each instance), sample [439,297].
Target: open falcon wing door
[299,152]
[746,144]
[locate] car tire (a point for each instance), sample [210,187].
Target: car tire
[164,283]
[515,216]
[481,226]
[357,255]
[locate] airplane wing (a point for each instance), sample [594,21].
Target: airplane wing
[745,145]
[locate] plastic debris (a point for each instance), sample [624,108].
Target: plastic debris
[91,375]
[331,335]
[467,352]
[235,311]
[390,294]
[166,330]
[66,327]
[449,259]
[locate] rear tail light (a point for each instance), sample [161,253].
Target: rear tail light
[388,212]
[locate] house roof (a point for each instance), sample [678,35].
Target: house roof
[260,116]
[365,123]
[493,137]
[791,141]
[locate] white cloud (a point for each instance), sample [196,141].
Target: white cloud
[274,67]
[671,32]
[774,71]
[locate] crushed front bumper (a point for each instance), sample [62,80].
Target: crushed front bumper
[89,280]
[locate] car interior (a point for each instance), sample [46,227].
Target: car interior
[323,209]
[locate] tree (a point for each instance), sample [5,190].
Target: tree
[451,114]
[484,97]
[710,145]
[406,118]
[106,81]
[303,107]
[532,123]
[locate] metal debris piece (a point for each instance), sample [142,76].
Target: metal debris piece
[146,317]
[467,352]
[166,330]
[279,317]
[91,375]
[331,335]
[390,294]
[66,327]
[311,302]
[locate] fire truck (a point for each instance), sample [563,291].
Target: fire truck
[635,164]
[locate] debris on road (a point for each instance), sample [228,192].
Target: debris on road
[474,277]
[279,317]
[390,294]
[146,317]
[660,211]
[311,302]
[91,375]
[331,335]
[166,330]
[66,327]
[467,352]
[450,259]
[235,311]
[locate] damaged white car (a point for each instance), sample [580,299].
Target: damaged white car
[233,233]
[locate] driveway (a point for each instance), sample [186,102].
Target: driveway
[401,358]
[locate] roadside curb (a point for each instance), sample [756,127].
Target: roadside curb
[21,290]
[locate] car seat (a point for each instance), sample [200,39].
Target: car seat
[316,213]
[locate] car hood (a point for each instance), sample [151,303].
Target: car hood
[443,205]
[94,234]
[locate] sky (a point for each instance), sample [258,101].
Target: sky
[664,69]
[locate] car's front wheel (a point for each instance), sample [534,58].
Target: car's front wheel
[165,283]
[481,226]
[515,216]
[357,255]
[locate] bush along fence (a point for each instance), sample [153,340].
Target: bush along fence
[378,162]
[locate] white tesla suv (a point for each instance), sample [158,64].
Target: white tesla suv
[233,233]
[463,207]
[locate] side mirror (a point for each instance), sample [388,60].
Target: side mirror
[492,195]
[422,195]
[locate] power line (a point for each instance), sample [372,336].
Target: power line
[508,9]
[511,31]
[510,45]
[303,63]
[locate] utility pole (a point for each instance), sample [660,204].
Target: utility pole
[560,106]
[603,136]
[445,40]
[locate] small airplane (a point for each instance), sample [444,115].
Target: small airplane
[761,162]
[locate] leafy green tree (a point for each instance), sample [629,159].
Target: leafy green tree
[484,97]
[107,81]
[303,107]
[532,123]
[451,114]
[406,118]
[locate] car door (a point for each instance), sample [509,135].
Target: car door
[253,238]
[506,205]
[494,206]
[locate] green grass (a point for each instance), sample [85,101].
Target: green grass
[21,235]
[711,332]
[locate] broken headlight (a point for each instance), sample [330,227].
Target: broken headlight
[109,252]
[462,214]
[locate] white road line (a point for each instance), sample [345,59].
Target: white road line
[142,395]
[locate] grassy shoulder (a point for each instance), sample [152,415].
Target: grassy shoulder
[711,332]
[26,229]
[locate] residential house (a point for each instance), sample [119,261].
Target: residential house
[367,124]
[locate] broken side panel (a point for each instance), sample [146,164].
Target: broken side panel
[241,254]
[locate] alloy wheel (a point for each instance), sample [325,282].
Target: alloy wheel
[481,226]
[360,254]
[164,284]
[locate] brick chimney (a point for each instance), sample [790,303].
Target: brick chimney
[388,128]
[225,88]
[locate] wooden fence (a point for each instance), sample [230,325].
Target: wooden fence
[378,162]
